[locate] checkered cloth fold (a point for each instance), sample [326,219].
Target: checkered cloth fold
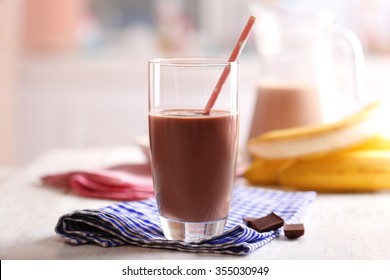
[137,223]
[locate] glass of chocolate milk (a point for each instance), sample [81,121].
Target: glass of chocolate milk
[193,155]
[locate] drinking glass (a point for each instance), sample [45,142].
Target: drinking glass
[193,154]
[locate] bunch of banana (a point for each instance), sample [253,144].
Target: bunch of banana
[350,155]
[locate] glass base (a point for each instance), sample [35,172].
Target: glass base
[191,231]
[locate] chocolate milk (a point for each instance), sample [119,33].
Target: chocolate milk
[193,162]
[281,106]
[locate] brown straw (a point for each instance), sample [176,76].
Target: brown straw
[233,57]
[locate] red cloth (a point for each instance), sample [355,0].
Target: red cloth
[121,182]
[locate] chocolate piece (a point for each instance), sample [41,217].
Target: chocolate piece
[267,223]
[294,231]
[248,220]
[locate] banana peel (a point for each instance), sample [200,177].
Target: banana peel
[317,141]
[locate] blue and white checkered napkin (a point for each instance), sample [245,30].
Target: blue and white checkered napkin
[137,223]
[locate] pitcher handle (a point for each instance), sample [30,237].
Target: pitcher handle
[353,42]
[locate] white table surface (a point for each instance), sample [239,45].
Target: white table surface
[345,226]
[5,172]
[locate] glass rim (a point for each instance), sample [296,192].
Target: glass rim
[192,61]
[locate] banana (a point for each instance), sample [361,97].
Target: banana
[265,172]
[273,172]
[363,170]
[349,133]
[351,155]
[380,142]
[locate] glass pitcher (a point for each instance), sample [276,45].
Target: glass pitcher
[311,71]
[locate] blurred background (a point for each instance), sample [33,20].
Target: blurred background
[74,73]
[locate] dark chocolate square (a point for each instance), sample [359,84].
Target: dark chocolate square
[294,231]
[267,223]
[248,220]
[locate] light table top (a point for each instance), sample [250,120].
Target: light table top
[337,226]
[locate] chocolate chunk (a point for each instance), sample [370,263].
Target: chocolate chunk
[248,220]
[267,223]
[294,231]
